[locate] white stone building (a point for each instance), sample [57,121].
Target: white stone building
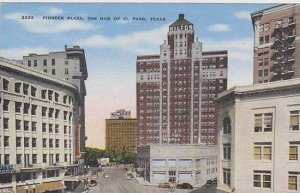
[194,164]
[259,138]
[39,130]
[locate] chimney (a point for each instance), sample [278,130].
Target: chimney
[181,16]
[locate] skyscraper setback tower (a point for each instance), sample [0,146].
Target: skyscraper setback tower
[169,89]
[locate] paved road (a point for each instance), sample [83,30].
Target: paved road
[117,183]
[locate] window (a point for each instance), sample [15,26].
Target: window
[45,62]
[6,141]
[5,84]
[262,179]
[50,143]
[44,110]
[44,94]
[33,109]
[33,91]
[57,113]
[66,143]
[262,151]
[6,159]
[5,105]
[266,61]
[35,63]
[34,158]
[226,151]
[261,28]
[53,62]
[56,97]
[226,125]
[29,63]
[261,40]
[294,120]
[226,176]
[17,87]
[44,142]
[18,107]
[5,123]
[65,115]
[18,141]
[65,129]
[66,157]
[26,108]
[267,39]
[50,112]
[57,143]
[45,70]
[50,128]
[66,71]
[25,89]
[50,95]
[266,72]
[294,150]
[26,125]
[44,127]
[44,158]
[53,71]
[33,142]
[19,158]
[266,27]
[57,158]
[56,128]
[294,181]
[260,62]
[263,122]
[18,124]
[26,141]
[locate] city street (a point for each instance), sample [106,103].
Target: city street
[117,183]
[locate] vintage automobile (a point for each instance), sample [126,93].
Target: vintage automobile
[93,182]
[106,175]
[184,186]
[164,185]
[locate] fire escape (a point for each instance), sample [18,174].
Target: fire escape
[284,48]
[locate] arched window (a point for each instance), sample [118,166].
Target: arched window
[226,125]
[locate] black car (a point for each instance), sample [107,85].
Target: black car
[184,186]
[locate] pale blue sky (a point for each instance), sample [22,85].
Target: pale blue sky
[111,47]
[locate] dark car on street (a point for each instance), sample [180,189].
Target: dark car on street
[164,185]
[184,186]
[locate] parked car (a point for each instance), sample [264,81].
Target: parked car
[215,181]
[184,186]
[128,177]
[106,175]
[164,185]
[93,182]
[208,183]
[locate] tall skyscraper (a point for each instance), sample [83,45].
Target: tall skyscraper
[68,65]
[120,132]
[174,89]
[276,43]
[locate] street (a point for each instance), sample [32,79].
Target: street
[117,183]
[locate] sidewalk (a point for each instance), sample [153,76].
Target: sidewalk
[141,180]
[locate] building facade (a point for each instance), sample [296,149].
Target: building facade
[276,43]
[177,87]
[259,138]
[120,132]
[193,164]
[39,130]
[68,65]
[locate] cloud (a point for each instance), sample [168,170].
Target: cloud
[139,42]
[122,22]
[243,15]
[219,27]
[18,53]
[39,25]
[55,11]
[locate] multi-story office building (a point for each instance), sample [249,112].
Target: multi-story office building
[176,88]
[194,164]
[259,138]
[68,65]
[39,130]
[121,132]
[276,43]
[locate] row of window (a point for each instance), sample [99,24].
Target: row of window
[35,62]
[264,122]
[263,151]
[34,142]
[25,159]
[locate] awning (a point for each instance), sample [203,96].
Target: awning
[49,186]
